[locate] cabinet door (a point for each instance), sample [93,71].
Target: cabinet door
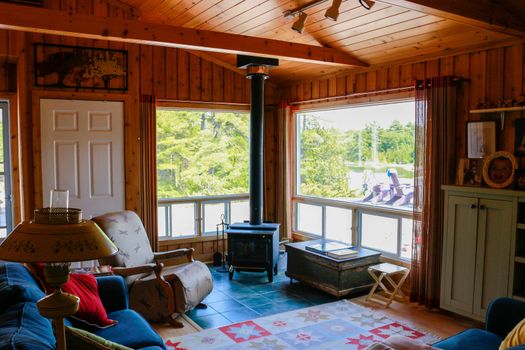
[459,254]
[493,252]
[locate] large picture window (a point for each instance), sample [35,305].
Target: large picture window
[355,174]
[202,170]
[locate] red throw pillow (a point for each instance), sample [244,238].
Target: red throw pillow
[91,310]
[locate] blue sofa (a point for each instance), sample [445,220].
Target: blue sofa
[22,327]
[502,315]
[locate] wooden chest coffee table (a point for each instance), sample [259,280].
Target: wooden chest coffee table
[336,277]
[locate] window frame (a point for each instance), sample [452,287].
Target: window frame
[356,208]
[199,202]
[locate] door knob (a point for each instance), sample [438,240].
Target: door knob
[473,206]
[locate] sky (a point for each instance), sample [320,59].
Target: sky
[356,118]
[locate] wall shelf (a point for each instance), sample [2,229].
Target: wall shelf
[497,110]
[519,259]
[501,112]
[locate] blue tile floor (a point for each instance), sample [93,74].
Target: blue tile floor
[249,295]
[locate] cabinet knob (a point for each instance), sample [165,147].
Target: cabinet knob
[482,207]
[473,206]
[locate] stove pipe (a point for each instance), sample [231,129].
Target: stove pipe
[257,70]
[257,77]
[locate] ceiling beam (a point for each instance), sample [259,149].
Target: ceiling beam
[485,14]
[37,20]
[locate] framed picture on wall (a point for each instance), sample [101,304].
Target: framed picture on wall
[481,138]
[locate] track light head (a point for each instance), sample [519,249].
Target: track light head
[367,4]
[298,25]
[333,11]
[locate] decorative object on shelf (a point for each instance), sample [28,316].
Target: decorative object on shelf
[502,104]
[519,138]
[80,67]
[56,243]
[520,179]
[481,139]
[469,172]
[498,169]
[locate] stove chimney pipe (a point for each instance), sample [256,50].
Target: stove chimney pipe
[257,70]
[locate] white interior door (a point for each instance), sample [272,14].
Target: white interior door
[83,152]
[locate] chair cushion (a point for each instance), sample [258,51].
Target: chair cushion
[24,329]
[471,339]
[90,311]
[515,337]
[125,229]
[132,331]
[79,339]
[192,284]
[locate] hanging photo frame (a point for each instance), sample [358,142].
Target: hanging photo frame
[78,67]
[481,139]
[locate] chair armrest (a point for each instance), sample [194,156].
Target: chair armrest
[113,293]
[503,314]
[135,270]
[177,253]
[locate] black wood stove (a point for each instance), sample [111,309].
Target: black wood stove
[254,245]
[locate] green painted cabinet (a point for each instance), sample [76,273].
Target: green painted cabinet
[479,229]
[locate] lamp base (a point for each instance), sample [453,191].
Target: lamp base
[58,305]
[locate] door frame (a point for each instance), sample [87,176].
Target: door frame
[131,144]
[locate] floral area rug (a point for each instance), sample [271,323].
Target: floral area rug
[338,325]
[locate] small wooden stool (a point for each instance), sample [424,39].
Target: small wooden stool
[385,271]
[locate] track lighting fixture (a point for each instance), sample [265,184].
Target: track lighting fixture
[367,4]
[298,25]
[333,11]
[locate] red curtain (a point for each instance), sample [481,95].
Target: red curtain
[148,162]
[434,166]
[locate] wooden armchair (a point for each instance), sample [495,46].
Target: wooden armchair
[157,292]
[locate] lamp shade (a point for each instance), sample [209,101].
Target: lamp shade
[34,242]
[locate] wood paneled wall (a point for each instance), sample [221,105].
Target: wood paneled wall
[167,73]
[492,75]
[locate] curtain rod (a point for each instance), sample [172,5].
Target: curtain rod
[205,102]
[355,94]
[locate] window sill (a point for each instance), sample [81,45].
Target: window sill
[183,240]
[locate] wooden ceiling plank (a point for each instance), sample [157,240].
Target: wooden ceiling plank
[434,45]
[158,11]
[211,12]
[416,40]
[342,39]
[347,43]
[485,14]
[192,12]
[427,24]
[84,26]
[237,14]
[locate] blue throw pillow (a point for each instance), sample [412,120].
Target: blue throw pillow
[11,294]
[18,274]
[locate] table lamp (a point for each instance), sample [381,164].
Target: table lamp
[57,236]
